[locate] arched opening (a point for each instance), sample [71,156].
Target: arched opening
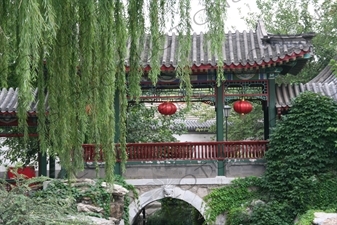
[169,211]
[166,191]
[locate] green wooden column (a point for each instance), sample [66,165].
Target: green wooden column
[117,169]
[272,102]
[42,164]
[51,167]
[265,120]
[219,104]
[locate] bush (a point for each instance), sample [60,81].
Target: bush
[18,207]
[301,169]
[301,149]
[272,213]
[238,216]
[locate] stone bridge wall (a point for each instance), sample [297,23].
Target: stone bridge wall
[179,169]
[190,190]
[198,169]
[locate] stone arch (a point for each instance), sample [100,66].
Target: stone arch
[168,191]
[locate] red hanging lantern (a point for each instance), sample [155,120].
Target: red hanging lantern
[243,107]
[167,108]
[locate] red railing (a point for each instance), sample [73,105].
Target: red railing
[184,151]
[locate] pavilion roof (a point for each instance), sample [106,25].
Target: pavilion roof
[325,76]
[196,125]
[9,101]
[325,83]
[240,51]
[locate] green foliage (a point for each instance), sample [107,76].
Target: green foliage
[99,196]
[237,216]
[308,217]
[175,212]
[19,207]
[333,64]
[64,192]
[126,215]
[16,150]
[240,127]
[294,160]
[229,197]
[81,49]
[70,194]
[272,213]
[301,16]
[249,126]
[145,124]
[301,169]
[120,180]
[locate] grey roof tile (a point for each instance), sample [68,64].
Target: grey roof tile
[325,76]
[9,101]
[285,93]
[240,49]
[196,125]
[325,83]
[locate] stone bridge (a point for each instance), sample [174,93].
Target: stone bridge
[186,180]
[189,189]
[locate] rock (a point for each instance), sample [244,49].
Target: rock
[322,218]
[101,221]
[84,181]
[93,220]
[87,200]
[257,202]
[117,210]
[88,208]
[115,189]
[330,221]
[117,193]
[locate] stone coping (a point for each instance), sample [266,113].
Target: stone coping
[187,180]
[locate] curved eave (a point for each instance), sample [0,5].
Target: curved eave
[285,93]
[237,67]
[14,114]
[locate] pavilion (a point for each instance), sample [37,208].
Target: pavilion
[252,60]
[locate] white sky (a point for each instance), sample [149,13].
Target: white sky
[233,22]
[235,10]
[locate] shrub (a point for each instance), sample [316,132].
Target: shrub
[301,169]
[301,149]
[18,207]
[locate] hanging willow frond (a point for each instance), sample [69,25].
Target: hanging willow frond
[31,22]
[136,30]
[48,37]
[156,39]
[215,17]
[106,89]
[75,53]
[121,40]
[4,43]
[184,28]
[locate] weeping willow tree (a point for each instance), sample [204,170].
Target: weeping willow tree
[75,53]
